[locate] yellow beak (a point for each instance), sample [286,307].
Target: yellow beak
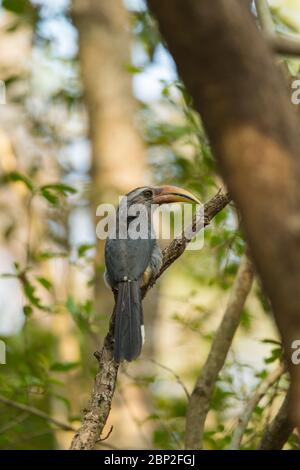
[169,194]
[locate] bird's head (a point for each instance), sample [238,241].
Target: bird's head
[149,195]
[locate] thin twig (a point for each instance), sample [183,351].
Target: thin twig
[107,435]
[284,46]
[200,398]
[19,419]
[246,414]
[265,17]
[36,412]
[178,379]
[278,431]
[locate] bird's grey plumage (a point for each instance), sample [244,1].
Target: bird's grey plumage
[131,260]
[126,262]
[127,258]
[129,319]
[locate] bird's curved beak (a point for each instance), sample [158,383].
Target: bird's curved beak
[169,194]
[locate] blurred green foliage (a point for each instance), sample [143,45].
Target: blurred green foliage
[178,153]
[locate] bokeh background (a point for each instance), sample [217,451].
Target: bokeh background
[91,107]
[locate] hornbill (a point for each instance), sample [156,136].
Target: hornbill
[132,262]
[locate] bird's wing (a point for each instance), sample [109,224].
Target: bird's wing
[127,258]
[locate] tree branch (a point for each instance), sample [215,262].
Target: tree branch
[34,411]
[199,401]
[265,17]
[246,414]
[95,416]
[279,430]
[279,44]
[283,45]
[176,376]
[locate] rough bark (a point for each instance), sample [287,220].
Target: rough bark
[279,430]
[95,416]
[198,406]
[98,410]
[230,72]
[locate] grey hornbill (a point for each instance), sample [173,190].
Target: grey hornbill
[131,263]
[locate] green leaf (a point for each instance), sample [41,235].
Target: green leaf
[27,309]
[134,69]
[74,418]
[262,374]
[79,313]
[246,319]
[64,366]
[17,6]
[48,191]
[17,266]
[82,249]
[50,197]
[258,410]
[43,255]
[25,10]
[29,291]
[275,355]
[219,399]
[16,176]
[271,341]
[72,307]
[45,282]
[59,187]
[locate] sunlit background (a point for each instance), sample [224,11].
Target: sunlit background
[54,308]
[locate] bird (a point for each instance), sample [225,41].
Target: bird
[131,262]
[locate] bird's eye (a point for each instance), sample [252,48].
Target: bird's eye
[147,193]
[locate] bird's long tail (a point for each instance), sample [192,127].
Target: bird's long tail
[129,322]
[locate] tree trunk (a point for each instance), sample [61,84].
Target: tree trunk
[104,50]
[118,152]
[230,72]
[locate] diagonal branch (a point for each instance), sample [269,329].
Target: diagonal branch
[36,412]
[199,402]
[95,416]
[246,414]
[281,45]
[176,376]
[265,17]
[279,430]
[284,46]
